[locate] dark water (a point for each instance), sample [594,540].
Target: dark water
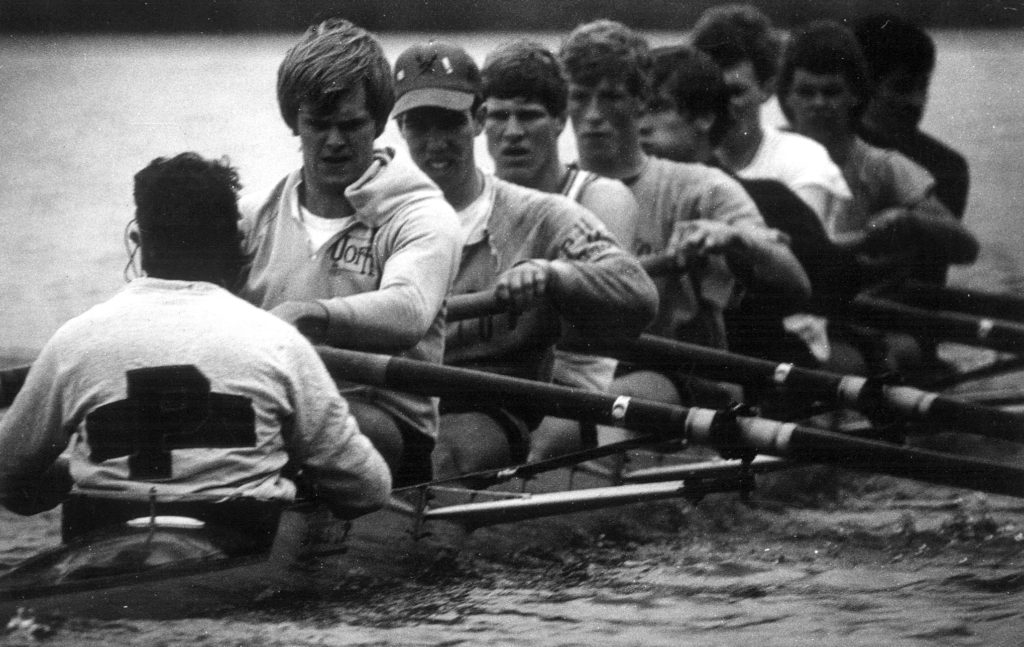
[78,116]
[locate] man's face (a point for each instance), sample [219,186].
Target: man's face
[522,137]
[337,145]
[440,141]
[667,133]
[898,102]
[820,105]
[605,118]
[746,96]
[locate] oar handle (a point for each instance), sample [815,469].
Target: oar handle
[664,263]
[703,426]
[473,305]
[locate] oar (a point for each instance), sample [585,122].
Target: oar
[972,302]
[852,391]
[730,434]
[984,332]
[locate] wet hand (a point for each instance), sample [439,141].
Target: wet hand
[524,285]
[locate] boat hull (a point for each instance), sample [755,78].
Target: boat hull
[312,551]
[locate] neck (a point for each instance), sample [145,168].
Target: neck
[738,148]
[624,166]
[208,272]
[839,148]
[548,178]
[704,152]
[323,203]
[461,194]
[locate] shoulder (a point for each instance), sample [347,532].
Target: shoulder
[678,178]
[597,189]
[394,188]
[510,198]
[937,152]
[798,154]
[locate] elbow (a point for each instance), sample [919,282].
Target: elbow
[637,311]
[405,330]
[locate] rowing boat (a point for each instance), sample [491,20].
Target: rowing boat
[163,566]
[160,567]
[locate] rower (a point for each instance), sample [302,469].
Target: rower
[691,210]
[524,113]
[358,247]
[895,218]
[178,398]
[901,60]
[740,38]
[546,257]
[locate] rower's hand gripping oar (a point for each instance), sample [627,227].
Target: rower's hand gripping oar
[695,424]
[869,396]
[484,303]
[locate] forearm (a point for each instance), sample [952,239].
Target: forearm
[383,321]
[610,296]
[773,264]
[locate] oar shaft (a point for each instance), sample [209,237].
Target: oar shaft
[844,390]
[436,380]
[805,444]
[695,424]
[996,334]
[971,302]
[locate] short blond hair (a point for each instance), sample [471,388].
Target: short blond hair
[326,63]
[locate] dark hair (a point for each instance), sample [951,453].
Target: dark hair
[735,33]
[891,43]
[187,213]
[329,60]
[608,49]
[826,47]
[523,68]
[696,85]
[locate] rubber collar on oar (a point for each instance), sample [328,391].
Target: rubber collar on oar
[726,436]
